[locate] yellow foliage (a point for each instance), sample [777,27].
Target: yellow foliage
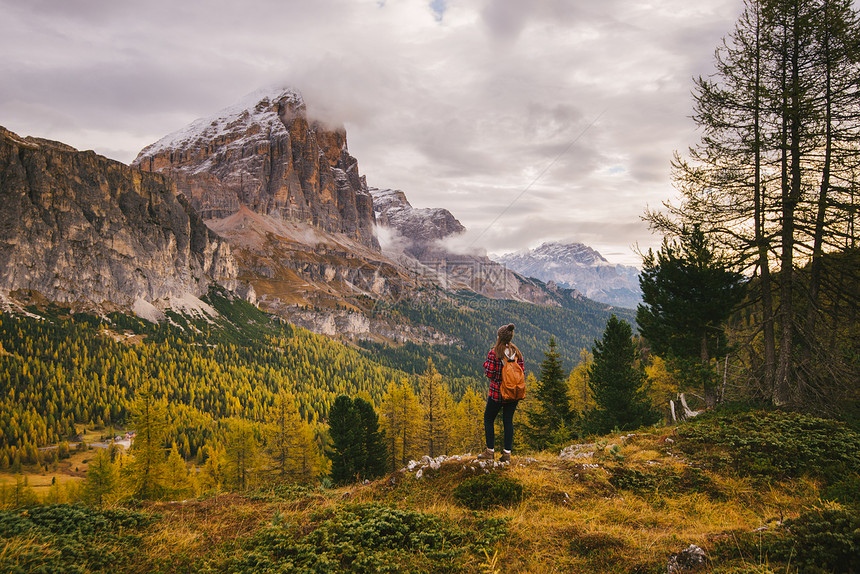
[663,383]
[581,399]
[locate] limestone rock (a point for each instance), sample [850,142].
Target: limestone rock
[418,229]
[263,153]
[76,226]
[690,559]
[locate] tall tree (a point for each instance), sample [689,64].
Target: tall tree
[550,417]
[285,441]
[149,420]
[688,294]
[771,181]
[616,383]
[467,430]
[177,481]
[373,440]
[101,481]
[358,450]
[436,400]
[402,422]
[347,449]
[241,454]
[307,462]
[577,383]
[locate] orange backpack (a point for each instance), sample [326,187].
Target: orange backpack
[513,387]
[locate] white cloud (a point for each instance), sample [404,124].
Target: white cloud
[461,104]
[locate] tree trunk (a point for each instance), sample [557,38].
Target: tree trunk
[761,241]
[818,233]
[791,187]
[710,390]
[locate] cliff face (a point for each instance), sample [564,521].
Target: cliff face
[263,153]
[418,229]
[77,227]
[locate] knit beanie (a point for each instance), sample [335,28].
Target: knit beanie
[506,333]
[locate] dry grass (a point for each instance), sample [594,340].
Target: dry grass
[193,529]
[569,501]
[570,519]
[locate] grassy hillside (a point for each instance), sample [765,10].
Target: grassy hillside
[622,504]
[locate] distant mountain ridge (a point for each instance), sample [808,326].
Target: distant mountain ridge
[265,203]
[577,266]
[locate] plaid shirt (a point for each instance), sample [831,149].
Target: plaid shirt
[493,369]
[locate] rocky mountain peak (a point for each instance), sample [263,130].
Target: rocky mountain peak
[571,253]
[265,154]
[268,108]
[419,230]
[578,266]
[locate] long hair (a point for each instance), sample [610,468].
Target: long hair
[499,347]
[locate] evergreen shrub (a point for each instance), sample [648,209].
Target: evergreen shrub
[845,491]
[658,480]
[71,539]
[773,445]
[364,538]
[822,541]
[488,491]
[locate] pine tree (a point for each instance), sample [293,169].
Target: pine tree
[467,429]
[307,463]
[577,384]
[436,400]
[101,481]
[773,183]
[347,449]
[285,439]
[212,476]
[616,383]
[550,419]
[688,294]
[373,440]
[663,383]
[177,481]
[241,451]
[399,414]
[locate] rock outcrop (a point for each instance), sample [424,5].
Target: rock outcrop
[419,231]
[264,154]
[78,227]
[417,239]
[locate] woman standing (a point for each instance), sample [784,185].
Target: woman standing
[503,350]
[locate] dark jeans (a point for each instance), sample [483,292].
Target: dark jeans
[490,414]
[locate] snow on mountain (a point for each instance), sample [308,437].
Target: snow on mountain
[255,109]
[577,266]
[264,153]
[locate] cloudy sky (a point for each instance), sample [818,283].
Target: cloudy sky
[531,120]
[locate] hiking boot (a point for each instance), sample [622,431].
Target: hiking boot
[488,454]
[506,457]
